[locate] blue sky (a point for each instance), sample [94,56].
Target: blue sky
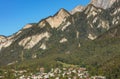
[15,14]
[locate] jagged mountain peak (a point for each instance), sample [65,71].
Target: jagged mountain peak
[58,18]
[2,39]
[63,11]
[27,26]
[1,36]
[102,3]
[77,9]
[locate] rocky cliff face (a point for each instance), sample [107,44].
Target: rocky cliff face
[103,3]
[64,28]
[5,42]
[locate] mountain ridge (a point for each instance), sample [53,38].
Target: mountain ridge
[60,19]
[80,37]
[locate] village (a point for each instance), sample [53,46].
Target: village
[61,73]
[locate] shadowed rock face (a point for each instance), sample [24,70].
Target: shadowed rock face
[103,3]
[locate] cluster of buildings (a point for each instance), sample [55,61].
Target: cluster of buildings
[62,73]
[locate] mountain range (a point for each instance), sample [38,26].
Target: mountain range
[87,35]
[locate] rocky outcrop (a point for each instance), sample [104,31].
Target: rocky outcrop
[5,42]
[31,41]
